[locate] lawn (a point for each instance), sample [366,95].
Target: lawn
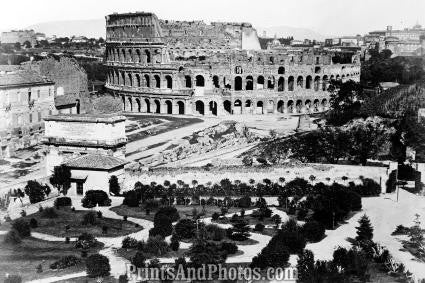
[24,258]
[184,211]
[56,226]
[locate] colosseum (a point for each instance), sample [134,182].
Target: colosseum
[182,67]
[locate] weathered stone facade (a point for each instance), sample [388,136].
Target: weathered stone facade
[164,67]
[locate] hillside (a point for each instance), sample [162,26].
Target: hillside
[89,28]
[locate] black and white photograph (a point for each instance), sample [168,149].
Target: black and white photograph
[216,141]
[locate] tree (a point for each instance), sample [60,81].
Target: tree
[364,230]
[22,227]
[185,228]
[162,225]
[26,44]
[313,231]
[61,178]
[35,191]
[114,186]
[139,260]
[247,161]
[416,234]
[17,46]
[305,266]
[240,231]
[97,266]
[206,252]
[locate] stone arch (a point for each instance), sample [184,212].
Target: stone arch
[216,82]
[157,81]
[324,103]
[199,107]
[270,82]
[248,106]
[316,83]
[308,82]
[281,106]
[307,105]
[123,103]
[299,105]
[227,105]
[148,105]
[316,104]
[213,107]
[138,81]
[148,56]
[130,104]
[147,81]
[237,107]
[169,81]
[130,79]
[200,81]
[260,82]
[281,84]
[325,83]
[290,106]
[130,55]
[139,106]
[188,81]
[291,83]
[249,85]
[281,70]
[300,82]
[270,106]
[332,77]
[157,106]
[123,57]
[180,106]
[169,106]
[238,83]
[343,78]
[138,56]
[337,78]
[122,78]
[260,107]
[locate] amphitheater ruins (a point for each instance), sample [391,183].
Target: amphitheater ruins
[175,67]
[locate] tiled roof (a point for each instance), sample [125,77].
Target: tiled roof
[96,161]
[66,99]
[22,78]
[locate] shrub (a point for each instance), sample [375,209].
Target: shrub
[185,229]
[156,246]
[139,260]
[89,218]
[12,237]
[129,243]
[131,198]
[162,226]
[174,244]
[170,211]
[35,191]
[22,227]
[214,232]
[401,230]
[97,266]
[95,197]
[215,216]
[49,212]
[302,213]
[63,201]
[65,262]
[33,223]
[85,241]
[294,241]
[114,186]
[313,231]
[229,248]
[245,202]
[259,227]
[13,279]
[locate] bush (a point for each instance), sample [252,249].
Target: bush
[33,223]
[129,243]
[259,227]
[294,241]
[161,226]
[89,218]
[170,211]
[313,231]
[65,262]
[174,244]
[139,260]
[49,212]
[131,198]
[35,191]
[401,230]
[156,246]
[85,241]
[13,279]
[12,238]
[245,202]
[95,197]
[99,214]
[229,248]
[185,229]
[97,266]
[215,216]
[22,227]
[214,232]
[63,201]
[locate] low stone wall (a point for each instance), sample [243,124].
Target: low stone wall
[203,175]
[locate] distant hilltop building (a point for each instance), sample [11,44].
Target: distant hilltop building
[20,36]
[160,66]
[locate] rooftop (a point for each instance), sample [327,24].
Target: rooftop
[96,161]
[88,118]
[22,78]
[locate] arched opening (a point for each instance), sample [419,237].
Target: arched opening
[290,106]
[138,80]
[226,84]
[77,105]
[188,81]
[249,83]
[130,55]
[325,83]
[308,82]
[180,105]
[237,107]
[169,106]
[270,82]
[281,70]
[157,106]
[123,55]
[307,105]
[300,82]
[260,82]
[291,83]
[260,106]
[216,82]
[147,81]
[324,103]
[337,77]
[332,77]
[227,106]
[139,106]
[130,105]
[280,106]
[123,103]
[270,106]
[299,106]
[169,81]
[248,106]
[281,84]
[200,81]
[213,107]
[122,78]
[148,56]
[138,56]
[238,83]
[316,104]
[130,80]
[199,107]
[148,106]
[317,83]
[157,81]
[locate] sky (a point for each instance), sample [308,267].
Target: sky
[328,17]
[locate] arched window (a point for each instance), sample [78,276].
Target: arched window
[148,56]
[188,81]
[169,80]
[291,83]
[200,81]
[308,82]
[157,81]
[249,85]
[281,70]
[281,84]
[238,83]
[216,82]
